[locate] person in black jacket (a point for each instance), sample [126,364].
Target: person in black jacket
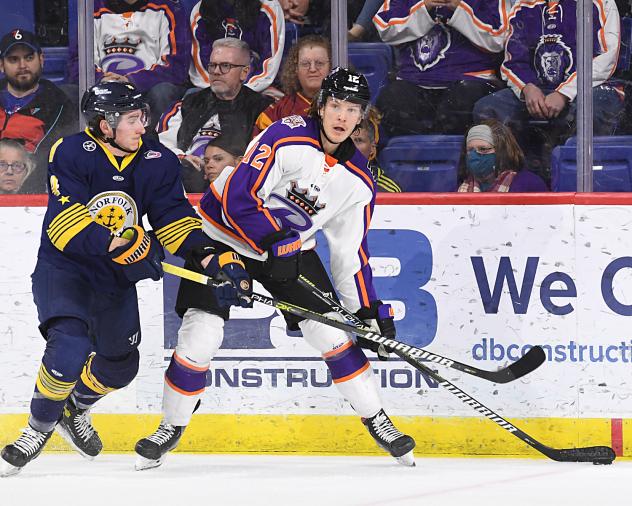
[33,111]
[226,107]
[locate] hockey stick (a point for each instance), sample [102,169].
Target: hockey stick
[527,363]
[594,454]
[524,365]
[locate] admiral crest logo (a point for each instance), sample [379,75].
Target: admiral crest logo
[294,121]
[89,146]
[114,210]
[152,154]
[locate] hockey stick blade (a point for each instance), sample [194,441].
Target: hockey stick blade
[594,454]
[529,362]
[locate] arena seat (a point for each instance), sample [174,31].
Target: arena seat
[423,163]
[374,60]
[612,168]
[610,140]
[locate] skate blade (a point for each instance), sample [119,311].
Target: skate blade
[68,438]
[143,463]
[7,469]
[408,459]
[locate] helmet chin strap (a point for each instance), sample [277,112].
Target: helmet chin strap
[112,142]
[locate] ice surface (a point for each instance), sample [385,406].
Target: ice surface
[257,480]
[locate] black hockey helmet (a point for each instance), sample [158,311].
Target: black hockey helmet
[110,100]
[346,85]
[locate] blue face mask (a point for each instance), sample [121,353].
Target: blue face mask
[480,166]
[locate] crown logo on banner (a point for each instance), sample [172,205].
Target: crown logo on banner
[300,198]
[121,45]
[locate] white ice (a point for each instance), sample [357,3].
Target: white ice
[256,480]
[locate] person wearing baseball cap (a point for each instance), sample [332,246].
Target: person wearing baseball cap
[33,110]
[16,37]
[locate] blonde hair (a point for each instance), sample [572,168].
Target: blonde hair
[289,73]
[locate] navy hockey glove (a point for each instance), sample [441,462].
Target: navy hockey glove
[142,256]
[284,255]
[236,287]
[381,315]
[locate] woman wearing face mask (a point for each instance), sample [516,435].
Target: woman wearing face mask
[493,162]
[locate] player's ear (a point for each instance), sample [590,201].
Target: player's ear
[105,128]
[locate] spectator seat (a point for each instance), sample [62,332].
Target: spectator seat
[612,168]
[423,163]
[374,60]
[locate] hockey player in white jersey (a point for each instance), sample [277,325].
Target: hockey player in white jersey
[300,175]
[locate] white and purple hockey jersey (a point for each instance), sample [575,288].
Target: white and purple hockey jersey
[439,46]
[266,40]
[149,42]
[286,181]
[541,45]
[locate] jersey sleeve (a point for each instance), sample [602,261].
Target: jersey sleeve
[270,36]
[607,40]
[347,238]
[400,21]
[249,185]
[483,22]
[177,225]
[517,68]
[69,225]
[200,49]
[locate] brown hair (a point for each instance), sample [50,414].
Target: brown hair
[289,73]
[509,155]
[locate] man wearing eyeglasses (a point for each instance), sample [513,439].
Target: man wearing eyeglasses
[226,107]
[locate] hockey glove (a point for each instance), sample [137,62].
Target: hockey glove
[236,287]
[284,255]
[141,256]
[379,317]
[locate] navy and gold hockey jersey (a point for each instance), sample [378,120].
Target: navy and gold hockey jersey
[93,194]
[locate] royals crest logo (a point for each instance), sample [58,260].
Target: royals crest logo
[120,54]
[114,210]
[430,49]
[294,121]
[553,60]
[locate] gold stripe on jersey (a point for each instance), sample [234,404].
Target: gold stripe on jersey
[173,235]
[51,387]
[68,224]
[126,160]
[53,149]
[91,382]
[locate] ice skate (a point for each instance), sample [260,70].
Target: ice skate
[25,448]
[76,428]
[390,439]
[153,449]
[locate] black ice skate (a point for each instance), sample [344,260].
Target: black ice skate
[76,428]
[25,448]
[153,449]
[390,439]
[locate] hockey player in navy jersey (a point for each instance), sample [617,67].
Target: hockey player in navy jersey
[300,175]
[93,250]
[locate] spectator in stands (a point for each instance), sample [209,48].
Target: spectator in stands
[366,138]
[307,64]
[492,161]
[220,152]
[448,54]
[362,28]
[144,43]
[32,110]
[260,23]
[15,166]
[540,70]
[226,107]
